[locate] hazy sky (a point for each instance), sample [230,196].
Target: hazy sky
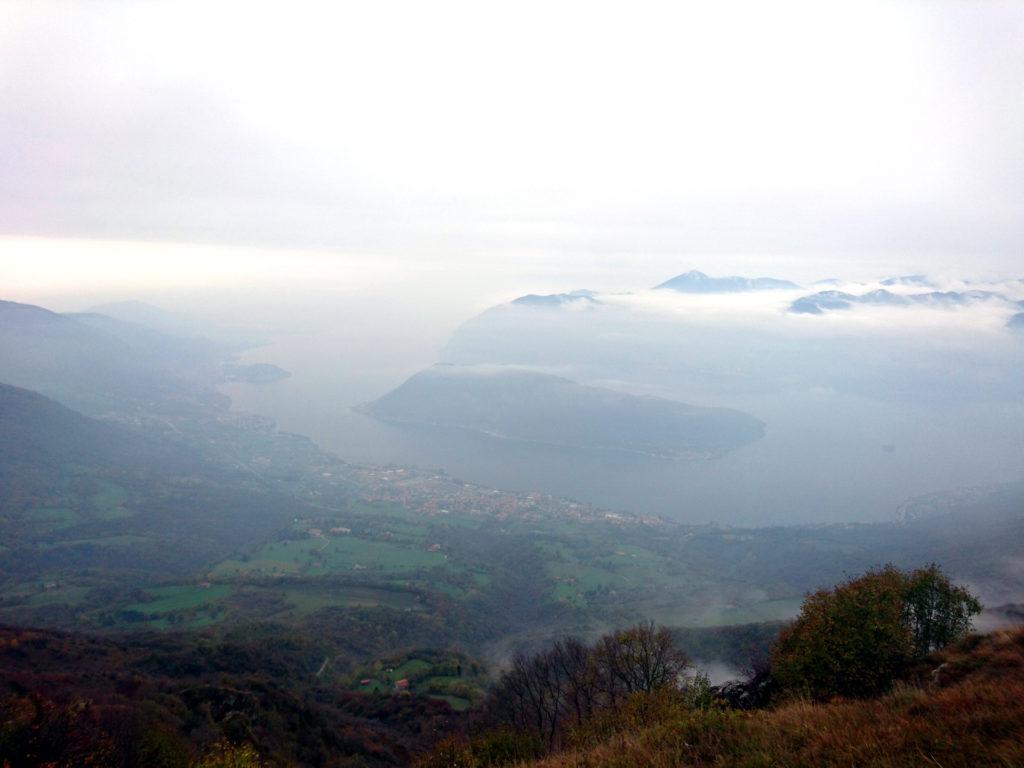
[858,132]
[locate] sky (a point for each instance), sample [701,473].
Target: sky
[145,142]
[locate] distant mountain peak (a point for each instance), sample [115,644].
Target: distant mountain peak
[696,281]
[13,310]
[556,299]
[919,280]
[818,303]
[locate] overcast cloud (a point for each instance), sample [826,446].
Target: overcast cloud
[845,131]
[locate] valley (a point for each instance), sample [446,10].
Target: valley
[165,518]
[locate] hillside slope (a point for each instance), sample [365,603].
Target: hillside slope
[522,405]
[965,707]
[94,363]
[41,438]
[161,700]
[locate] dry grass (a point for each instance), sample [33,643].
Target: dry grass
[971,716]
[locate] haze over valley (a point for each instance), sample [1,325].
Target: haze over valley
[860,408]
[541,385]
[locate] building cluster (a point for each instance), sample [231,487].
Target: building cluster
[438,495]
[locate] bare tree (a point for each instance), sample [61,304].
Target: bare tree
[531,694]
[568,682]
[640,659]
[575,663]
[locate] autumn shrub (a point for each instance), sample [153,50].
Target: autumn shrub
[226,755]
[639,711]
[974,720]
[505,747]
[488,750]
[853,640]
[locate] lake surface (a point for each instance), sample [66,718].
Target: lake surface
[868,459]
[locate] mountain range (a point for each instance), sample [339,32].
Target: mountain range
[698,282]
[823,301]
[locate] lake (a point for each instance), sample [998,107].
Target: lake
[825,457]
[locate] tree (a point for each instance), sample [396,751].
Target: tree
[565,684]
[854,639]
[936,611]
[641,659]
[530,696]
[574,661]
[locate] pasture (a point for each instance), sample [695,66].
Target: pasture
[324,555]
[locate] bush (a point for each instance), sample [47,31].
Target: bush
[226,755]
[853,640]
[638,711]
[489,750]
[697,692]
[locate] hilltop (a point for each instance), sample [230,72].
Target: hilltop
[522,405]
[698,282]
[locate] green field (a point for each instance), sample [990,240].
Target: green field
[319,556]
[65,595]
[411,667]
[576,573]
[124,540]
[306,601]
[197,605]
[181,598]
[595,572]
[382,675]
[457,703]
[110,500]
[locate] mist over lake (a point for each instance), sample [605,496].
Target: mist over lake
[823,458]
[468,385]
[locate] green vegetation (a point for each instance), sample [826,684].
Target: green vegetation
[970,717]
[180,700]
[322,555]
[116,540]
[226,755]
[233,502]
[527,406]
[69,595]
[109,501]
[180,598]
[239,585]
[623,700]
[315,597]
[449,677]
[855,639]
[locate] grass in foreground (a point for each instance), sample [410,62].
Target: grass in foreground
[969,713]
